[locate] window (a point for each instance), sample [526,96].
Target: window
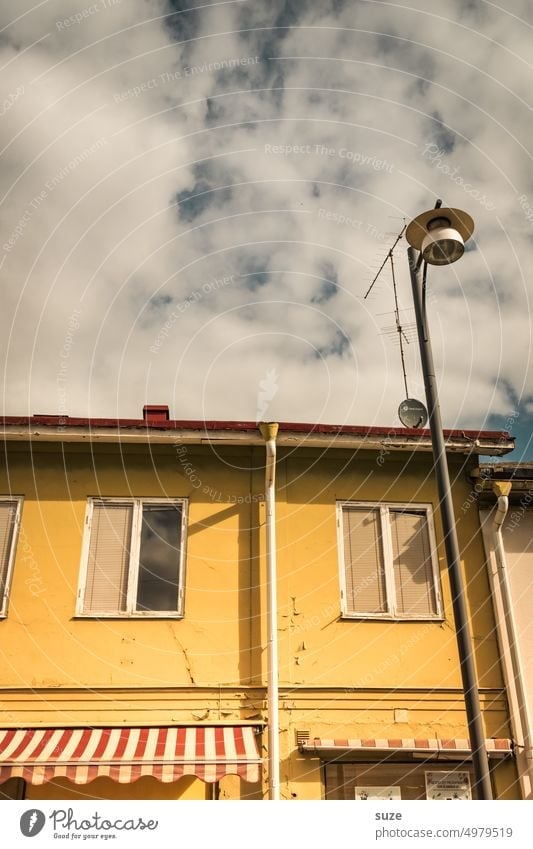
[388,564]
[9,523]
[410,781]
[133,558]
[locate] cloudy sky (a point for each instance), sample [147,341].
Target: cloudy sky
[195,197]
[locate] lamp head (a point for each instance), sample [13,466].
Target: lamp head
[440,235]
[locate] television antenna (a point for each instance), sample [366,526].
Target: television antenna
[411,412]
[402,337]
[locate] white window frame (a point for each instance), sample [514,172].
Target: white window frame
[4,601]
[133,566]
[390,588]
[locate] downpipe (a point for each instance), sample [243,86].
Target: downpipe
[269,432]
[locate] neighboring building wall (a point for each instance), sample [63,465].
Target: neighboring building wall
[338,677]
[511,564]
[518,542]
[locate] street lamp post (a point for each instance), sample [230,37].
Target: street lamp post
[437,237]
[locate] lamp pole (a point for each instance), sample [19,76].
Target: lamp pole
[418,267]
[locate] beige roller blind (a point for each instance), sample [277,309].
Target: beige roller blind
[8,511]
[107,569]
[413,574]
[363,561]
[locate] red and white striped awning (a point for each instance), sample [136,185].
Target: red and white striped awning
[125,754]
[430,746]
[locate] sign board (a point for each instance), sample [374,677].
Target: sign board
[380,794]
[448,785]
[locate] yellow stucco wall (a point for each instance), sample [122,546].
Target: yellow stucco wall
[336,675]
[104,788]
[59,650]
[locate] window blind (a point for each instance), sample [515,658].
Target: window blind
[8,511]
[108,562]
[363,562]
[413,578]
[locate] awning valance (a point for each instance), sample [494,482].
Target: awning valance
[125,754]
[496,747]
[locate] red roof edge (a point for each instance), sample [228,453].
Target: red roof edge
[213,425]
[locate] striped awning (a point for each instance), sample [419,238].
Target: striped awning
[430,746]
[125,754]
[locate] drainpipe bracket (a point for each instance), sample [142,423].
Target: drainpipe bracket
[268,430]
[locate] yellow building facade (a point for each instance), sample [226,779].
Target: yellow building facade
[134,576]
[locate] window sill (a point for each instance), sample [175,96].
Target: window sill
[126,616]
[368,617]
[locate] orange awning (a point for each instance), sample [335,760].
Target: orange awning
[125,754]
[427,746]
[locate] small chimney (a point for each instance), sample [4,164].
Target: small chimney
[155,413]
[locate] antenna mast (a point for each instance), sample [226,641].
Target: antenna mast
[399,328]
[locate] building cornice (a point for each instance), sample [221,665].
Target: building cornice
[65,429]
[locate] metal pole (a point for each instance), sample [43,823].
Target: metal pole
[464,642]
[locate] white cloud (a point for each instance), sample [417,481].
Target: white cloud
[296,137]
